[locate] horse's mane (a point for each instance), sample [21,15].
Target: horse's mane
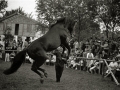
[68,23]
[60,20]
[52,25]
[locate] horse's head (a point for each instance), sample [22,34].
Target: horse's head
[68,22]
[71,25]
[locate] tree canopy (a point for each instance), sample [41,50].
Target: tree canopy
[3,5]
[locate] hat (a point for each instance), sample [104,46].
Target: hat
[118,55]
[59,48]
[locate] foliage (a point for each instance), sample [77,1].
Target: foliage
[3,5]
[107,12]
[49,10]
[7,33]
[18,10]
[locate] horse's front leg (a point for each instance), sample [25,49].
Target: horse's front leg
[65,43]
[63,48]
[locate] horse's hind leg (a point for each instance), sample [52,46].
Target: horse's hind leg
[44,71]
[38,61]
[35,69]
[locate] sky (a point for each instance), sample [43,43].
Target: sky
[27,5]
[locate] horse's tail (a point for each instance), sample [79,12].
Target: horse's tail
[17,62]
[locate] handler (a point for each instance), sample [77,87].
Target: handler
[59,64]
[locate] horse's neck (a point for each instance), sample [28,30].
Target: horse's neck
[57,28]
[59,25]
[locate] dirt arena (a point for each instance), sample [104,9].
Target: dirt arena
[25,79]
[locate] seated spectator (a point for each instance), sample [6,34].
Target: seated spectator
[117,73]
[72,63]
[81,64]
[95,66]
[69,60]
[113,66]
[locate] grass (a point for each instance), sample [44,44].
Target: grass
[25,79]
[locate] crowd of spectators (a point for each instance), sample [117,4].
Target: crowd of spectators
[10,47]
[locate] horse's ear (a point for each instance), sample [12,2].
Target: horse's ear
[61,20]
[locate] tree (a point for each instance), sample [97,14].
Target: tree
[107,11]
[18,10]
[3,5]
[50,10]
[7,34]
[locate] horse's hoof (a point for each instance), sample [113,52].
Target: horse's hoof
[42,80]
[45,74]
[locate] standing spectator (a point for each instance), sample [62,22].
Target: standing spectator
[1,51]
[84,61]
[2,42]
[89,62]
[19,48]
[76,45]
[20,42]
[14,47]
[7,50]
[26,43]
[83,46]
[59,65]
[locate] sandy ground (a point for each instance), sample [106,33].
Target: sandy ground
[25,79]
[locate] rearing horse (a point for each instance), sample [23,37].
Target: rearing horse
[37,50]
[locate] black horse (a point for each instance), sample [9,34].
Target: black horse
[55,37]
